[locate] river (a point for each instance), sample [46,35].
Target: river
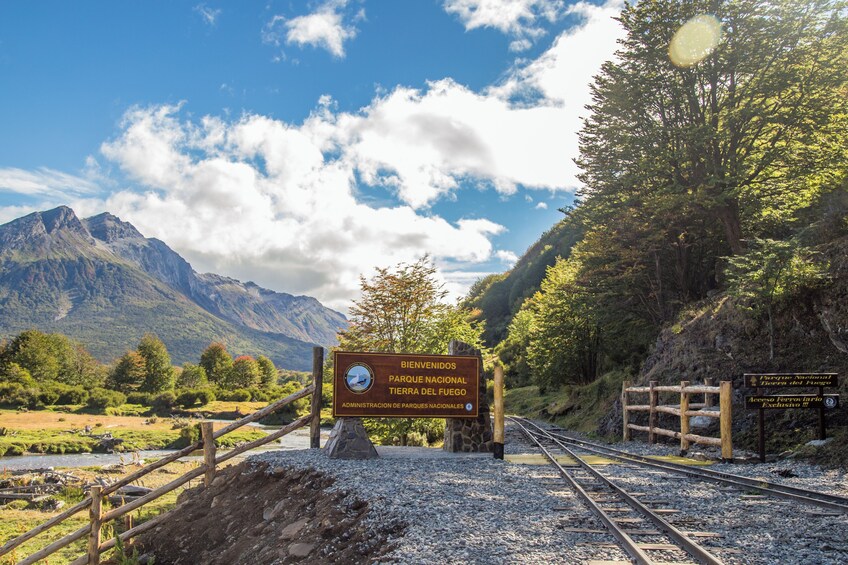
[298,439]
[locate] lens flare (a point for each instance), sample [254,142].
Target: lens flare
[695,40]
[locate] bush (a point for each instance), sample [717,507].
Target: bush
[48,395]
[102,398]
[205,396]
[164,403]
[259,395]
[72,395]
[237,395]
[143,398]
[187,398]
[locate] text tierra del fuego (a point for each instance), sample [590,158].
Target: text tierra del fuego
[386,385]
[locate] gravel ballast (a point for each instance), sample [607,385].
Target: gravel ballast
[472,509]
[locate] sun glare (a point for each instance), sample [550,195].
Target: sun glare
[695,40]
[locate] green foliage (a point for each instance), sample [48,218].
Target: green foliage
[129,373]
[194,397]
[267,370]
[102,398]
[142,398]
[192,376]
[768,272]
[51,357]
[217,363]
[121,557]
[244,373]
[158,372]
[164,403]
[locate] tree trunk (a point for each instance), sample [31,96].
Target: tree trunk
[728,215]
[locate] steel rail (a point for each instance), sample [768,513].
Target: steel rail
[700,554]
[814,498]
[630,546]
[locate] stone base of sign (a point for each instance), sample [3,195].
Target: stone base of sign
[470,435]
[349,440]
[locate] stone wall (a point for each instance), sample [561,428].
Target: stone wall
[470,435]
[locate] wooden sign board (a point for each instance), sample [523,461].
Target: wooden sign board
[791,379]
[389,385]
[786,401]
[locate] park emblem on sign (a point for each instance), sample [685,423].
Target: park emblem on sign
[393,385]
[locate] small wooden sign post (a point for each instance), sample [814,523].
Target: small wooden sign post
[763,402]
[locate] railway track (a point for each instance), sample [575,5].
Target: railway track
[777,490]
[614,507]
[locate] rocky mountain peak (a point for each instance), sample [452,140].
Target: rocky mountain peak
[61,218]
[108,227]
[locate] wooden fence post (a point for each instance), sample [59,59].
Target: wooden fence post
[726,419]
[317,382]
[625,414]
[652,414]
[498,447]
[207,431]
[94,535]
[709,400]
[684,418]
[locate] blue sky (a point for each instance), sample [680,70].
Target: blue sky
[299,144]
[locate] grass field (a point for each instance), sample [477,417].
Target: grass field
[46,431]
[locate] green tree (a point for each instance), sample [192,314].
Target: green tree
[245,372]
[53,357]
[192,376]
[769,272]
[159,374]
[129,373]
[217,363]
[267,370]
[401,310]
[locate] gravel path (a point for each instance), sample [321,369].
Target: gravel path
[480,510]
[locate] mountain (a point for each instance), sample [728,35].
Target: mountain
[499,296]
[99,280]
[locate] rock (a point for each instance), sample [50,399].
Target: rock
[349,440]
[820,442]
[301,549]
[271,513]
[291,531]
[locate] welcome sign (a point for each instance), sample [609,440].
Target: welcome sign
[392,385]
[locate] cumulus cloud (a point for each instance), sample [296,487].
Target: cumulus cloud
[257,196]
[519,18]
[44,182]
[325,28]
[542,206]
[507,257]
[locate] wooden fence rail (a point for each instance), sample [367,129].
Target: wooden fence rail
[684,410]
[210,460]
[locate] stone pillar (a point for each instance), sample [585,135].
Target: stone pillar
[349,440]
[470,435]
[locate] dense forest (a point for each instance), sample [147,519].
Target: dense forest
[721,177]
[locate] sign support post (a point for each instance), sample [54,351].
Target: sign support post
[499,413]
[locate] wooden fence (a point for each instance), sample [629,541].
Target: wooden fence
[210,460]
[684,410]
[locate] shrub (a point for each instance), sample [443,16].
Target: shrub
[187,398]
[237,395]
[143,398]
[102,398]
[205,396]
[48,394]
[164,403]
[72,395]
[259,395]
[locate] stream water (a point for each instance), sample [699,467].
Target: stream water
[298,439]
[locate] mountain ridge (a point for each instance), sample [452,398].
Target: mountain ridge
[60,273]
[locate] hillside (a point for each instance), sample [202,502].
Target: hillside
[101,282]
[499,296]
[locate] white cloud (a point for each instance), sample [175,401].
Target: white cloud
[209,15]
[519,18]
[295,217]
[44,182]
[324,28]
[507,257]
[542,206]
